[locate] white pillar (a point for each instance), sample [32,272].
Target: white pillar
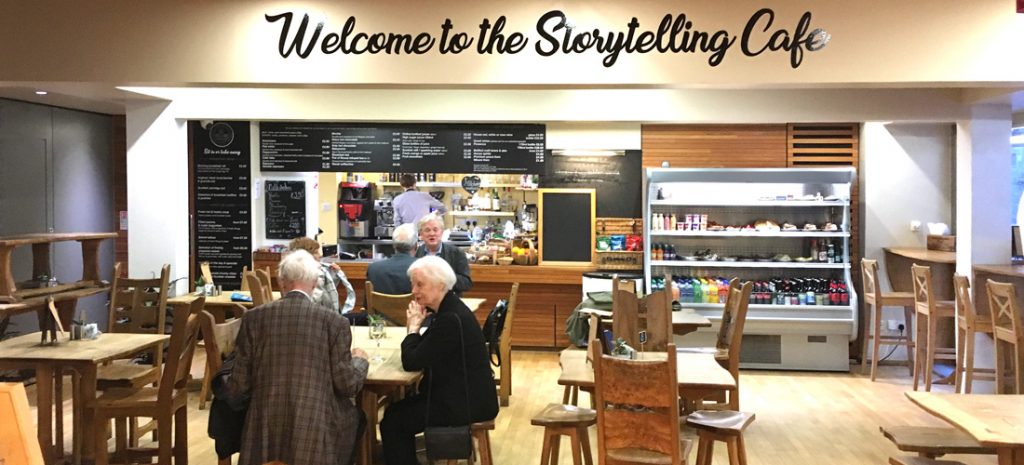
[983,207]
[157,171]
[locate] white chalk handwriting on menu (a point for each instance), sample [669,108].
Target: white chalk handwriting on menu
[285,209]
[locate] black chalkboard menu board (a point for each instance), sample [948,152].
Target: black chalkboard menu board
[566,226]
[222,220]
[408,148]
[285,209]
[615,178]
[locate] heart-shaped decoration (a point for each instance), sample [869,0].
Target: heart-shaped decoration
[471,184]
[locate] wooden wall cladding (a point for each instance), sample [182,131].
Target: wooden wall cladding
[833,145]
[715,145]
[119,162]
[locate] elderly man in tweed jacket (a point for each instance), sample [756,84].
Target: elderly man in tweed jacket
[294,362]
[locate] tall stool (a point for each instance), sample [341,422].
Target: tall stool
[720,425]
[928,310]
[877,299]
[565,420]
[480,431]
[968,325]
[1007,335]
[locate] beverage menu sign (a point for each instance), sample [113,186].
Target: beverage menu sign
[407,148]
[221,155]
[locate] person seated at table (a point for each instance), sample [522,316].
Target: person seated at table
[326,292]
[453,339]
[430,229]
[294,363]
[391,276]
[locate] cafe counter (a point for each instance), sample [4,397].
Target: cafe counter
[547,295]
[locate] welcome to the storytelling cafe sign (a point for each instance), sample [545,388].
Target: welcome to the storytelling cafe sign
[556,35]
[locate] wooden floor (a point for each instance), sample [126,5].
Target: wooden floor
[802,418]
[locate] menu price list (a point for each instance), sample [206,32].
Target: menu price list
[222,203]
[434,148]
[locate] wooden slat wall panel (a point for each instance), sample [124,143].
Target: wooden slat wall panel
[119,161]
[833,144]
[714,145]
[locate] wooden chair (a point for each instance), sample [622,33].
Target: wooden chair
[391,306]
[968,325]
[481,432]
[730,338]
[19,442]
[652,313]
[268,283]
[565,420]
[504,379]
[135,308]
[245,284]
[204,270]
[928,310]
[219,342]
[876,299]
[259,297]
[720,425]
[931,442]
[167,404]
[1007,336]
[627,285]
[637,410]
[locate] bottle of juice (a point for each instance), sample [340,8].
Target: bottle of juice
[712,291]
[698,295]
[723,291]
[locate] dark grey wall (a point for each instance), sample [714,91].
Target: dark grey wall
[56,175]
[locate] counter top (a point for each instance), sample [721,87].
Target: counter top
[1016,271]
[933,256]
[356,269]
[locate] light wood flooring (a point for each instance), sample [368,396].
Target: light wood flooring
[802,418]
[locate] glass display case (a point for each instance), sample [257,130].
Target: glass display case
[785,230]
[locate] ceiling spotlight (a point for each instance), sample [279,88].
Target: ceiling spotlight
[41,92]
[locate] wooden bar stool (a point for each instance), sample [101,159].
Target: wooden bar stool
[720,425]
[565,420]
[877,299]
[480,430]
[928,310]
[1007,334]
[968,325]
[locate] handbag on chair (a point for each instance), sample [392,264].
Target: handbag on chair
[450,442]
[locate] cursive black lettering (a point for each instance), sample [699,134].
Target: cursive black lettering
[749,30]
[546,36]
[296,43]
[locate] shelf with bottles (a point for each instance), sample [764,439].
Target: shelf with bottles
[471,213]
[751,233]
[777,293]
[746,222]
[738,264]
[752,203]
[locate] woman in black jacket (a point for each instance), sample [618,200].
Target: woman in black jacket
[435,344]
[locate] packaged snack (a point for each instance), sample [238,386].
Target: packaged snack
[618,242]
[634,243]
[604,243]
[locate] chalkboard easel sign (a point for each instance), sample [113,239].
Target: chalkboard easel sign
[566,226]
[285,209]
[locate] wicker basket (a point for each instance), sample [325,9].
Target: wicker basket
[530,257]
[620,260]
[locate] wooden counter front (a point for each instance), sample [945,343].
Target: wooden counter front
[1000,273]
[547,295]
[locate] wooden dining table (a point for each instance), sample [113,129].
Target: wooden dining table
[995,421]
[50,361]
[684,321]
[384,378]
[699,374]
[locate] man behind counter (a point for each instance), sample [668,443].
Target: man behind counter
[412,205]
[391,276]
[430,228]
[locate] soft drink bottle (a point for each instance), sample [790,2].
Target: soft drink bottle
[712,291]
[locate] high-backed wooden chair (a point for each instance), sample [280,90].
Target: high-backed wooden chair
[876,299]
[651,313]
[259,296]
[627,285]
[504,379]
[245,284]
[637,409]
[968,325]
[204,270]
[1008,336]
[927,311]
[219,342]
[729,341]
[136,306]
[19,442]
[268,283]
[390,306]
[167,404]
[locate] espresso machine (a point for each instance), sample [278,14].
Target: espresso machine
[385,216]
[356,214]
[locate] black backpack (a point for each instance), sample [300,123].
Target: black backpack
[493,327]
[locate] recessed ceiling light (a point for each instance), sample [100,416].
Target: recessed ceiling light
[41,92]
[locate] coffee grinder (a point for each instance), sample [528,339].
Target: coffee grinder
[385,214]
[355,210]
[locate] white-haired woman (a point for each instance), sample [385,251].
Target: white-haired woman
[452,339]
